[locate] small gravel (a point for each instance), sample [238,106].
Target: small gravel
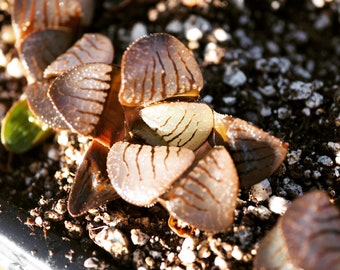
[284,80]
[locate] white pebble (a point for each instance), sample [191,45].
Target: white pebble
[155,254]
[325,160]
[335,147]
[229,101]
[5,5]
[237,253]
[283,113]
[261,191]
[314,101]
[306,111]
[193,45]
[316,174]
[187,256]
[220,263]
[204,251]
[221,35]
[260,211]
[266,111]
[193,34]
[208,99]
[38,221]
[138,237]
[171,257]
[7,34]
[112,240]
[318,3]
[138,30]
[199,22]
[300,90]
[307,173]
[268,90]
[294,156]
[82,139]
[91,262]
[337,171]
[277,204]
[15,69]
[63,138]
[190,3]
[234,77]
[272,47]
[188,243]
[292,188]
[195,27]
[337,160]
[323,21]
[175,26]
[211,54]
[53,154]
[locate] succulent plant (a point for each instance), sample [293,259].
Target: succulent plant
[153,140]
[307,236]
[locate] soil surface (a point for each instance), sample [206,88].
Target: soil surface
[273,63]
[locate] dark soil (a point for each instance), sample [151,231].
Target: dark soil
[276,64]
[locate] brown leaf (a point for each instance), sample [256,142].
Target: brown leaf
[307,236]
[91,48]
[91,186]
[256,153]
[156,67]
[206,197]
[80,95]
[41,105]
[141,173]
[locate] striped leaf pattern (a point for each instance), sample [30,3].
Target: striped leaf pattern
[41,105]
[37,52]
[141,173]
[91,186]
[31,16]
[91,48]
[256,153]
[307,236]
[44,29]
[157,67]
[206,197]
[181,124]
[80,94]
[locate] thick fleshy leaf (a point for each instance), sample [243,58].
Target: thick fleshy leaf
[80,95]
[91,186]
[44,29]
[141,173]
[256,153]
[41,105]
[111,127]
[91,48]
[206,198]
[181,124]
[157,67]
[20,130]
[31,16]
[307,236]
[41,48]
